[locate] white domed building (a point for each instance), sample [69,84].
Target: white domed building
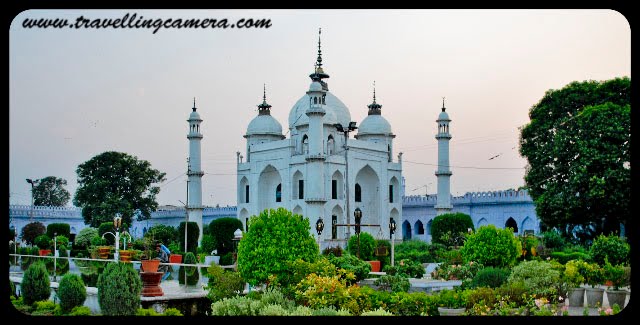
[311,173]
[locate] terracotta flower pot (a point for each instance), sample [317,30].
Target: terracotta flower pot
[103,252]
[150,265]
[175,258]
[375,266]
[45,252]
[126,255]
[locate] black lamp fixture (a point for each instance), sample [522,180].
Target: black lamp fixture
[392,226]
[358,216]
[319,226]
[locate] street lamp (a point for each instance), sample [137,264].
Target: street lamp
[117,223]
[357,214]
[33,182]
[319,228]
[237,236]
[345,131]
[392,230]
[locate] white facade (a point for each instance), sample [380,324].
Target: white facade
[195,173]
[307,172]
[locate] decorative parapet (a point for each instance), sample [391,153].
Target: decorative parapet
[508,196]
[75,212]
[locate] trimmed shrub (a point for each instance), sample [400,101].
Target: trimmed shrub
[335,251]
[62,229]
[61,241]
[193,232]
[31,231]
[71,292]
[273,296]
[413,304]
[406,268]
[104,228]
[119,288]
[43,242]
[563,257]
[297,270]
[490,277]
[394,283]
[208,244]
[491,246]
[192,274]
[80,311]
[35,285]
[351,263]
[538,277]
[274,238]
[552,239]
[378,312]
[301,311]
[367,246]
[612,247]
[237,306]
[163,234]
[450,228]
[222,230]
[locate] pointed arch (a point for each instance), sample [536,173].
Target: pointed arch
[406,230]
[297,185]
[268,183]
[370,197]
[429,223]
[512,224]
[331,145]
[527,224]
[337,217]
[418,228]
[243,190]
[482,222]
[396,217]
[337,186]
[394,187]
[305,144]
[279,193]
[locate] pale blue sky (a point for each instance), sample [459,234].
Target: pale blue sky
[75,93]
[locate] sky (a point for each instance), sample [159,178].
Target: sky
[75,93]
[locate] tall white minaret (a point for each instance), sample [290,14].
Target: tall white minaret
[443,204]
[195,173]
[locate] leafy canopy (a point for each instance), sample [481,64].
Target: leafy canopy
[50,191]
[577,144]
[115,182]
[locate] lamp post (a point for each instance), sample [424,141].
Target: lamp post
[117,222]
[55,254]
[358,216]
[392,230]
[319,228]
[345,131]
[237,236]
[32,182]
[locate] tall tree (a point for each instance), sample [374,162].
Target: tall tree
[50,191]
[115,182]
[578,148]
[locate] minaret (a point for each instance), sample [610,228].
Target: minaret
[443,204]
[195,173]
[315,198]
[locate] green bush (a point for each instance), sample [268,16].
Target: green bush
[552,239]
[611,247]
[236,306]
[274,238]
[119,288]
[80,311]
[163,234]
[563,257]
[62,229]
[192,274]
[208,244]
[406,268]
[335,251]
[35,285]
[352,264]
[226,259]
[99,241]
[377,312]
[330,311]
[71,292]
[450,228]
[223,283]
[297,270]
[61,241]
[367,246]
[394,283]
[31,231]
[104,228]
[452,298]
[482,295]
[12,289]
[193,232]
[490,277]
[413,304]
[273,296]
[491,246]
[539,278]
[43,242]
[222,230]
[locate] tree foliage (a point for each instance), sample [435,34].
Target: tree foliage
[83,239]
[50,191]
[193,232]
[119,288]
[114,182]
[31,231]
[577,144]
[274,238]
[35,285]
[450,228]
[491,246]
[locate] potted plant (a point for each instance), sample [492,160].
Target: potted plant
[44,243]
[594,276]
[451,302]
[148,263]
[619,277]
[574,281]
[176,254]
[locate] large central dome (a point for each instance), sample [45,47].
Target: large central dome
[336,111]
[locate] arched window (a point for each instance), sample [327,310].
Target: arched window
[358,193]
[330,145]
[305,144]
[334,230]
[315,100]
[279,193]
[511,224]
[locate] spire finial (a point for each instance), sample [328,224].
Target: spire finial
[443,108]
[263,109]
[264,93]
[194,104]
[374,91]
[319,63]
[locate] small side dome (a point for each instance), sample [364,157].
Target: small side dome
[374,124]
[264,125]
[194,116]
[443,116]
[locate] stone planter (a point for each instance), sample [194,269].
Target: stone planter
[445,311]
[594,297]
[617,297]
[576,297]
[151,284]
